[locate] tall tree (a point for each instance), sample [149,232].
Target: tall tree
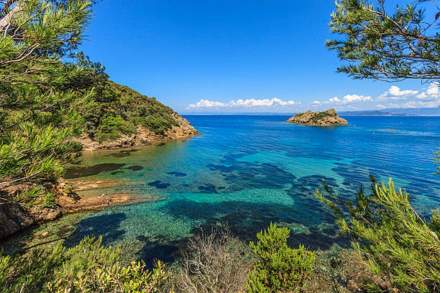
[389,44]
[36,117]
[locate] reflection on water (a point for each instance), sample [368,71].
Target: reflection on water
[247,172]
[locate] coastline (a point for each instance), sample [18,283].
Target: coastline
[88,196]
[143,137]
[15,217]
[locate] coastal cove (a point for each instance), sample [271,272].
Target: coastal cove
[246,172]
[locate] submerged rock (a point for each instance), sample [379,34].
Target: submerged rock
[322,119]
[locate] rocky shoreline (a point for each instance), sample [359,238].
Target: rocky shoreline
[143,136]
[15,217]
[327,118]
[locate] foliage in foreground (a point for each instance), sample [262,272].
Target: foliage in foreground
[214,262]
[395,241]
[51,93]
[87,267]
[37,101]
[393,249]
[279,268]
[383,41]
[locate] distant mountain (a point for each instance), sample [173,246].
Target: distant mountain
[384,112]
[395,112]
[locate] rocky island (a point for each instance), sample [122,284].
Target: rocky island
[326,118]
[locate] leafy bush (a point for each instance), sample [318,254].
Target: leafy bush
[112,127]
[87,267]
[395,241]
[158,122]
[279,268]
[34,153]
[36,195]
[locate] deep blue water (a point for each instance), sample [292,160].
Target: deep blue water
[248,171]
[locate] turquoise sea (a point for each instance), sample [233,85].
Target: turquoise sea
[248,171]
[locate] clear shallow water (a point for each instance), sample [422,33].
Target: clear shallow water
[248,171]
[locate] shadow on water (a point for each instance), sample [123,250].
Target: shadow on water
[159,249]
[122,154]
[244,175]
[246,219]
[208,188]
[78,172]
[159,184]
[135,168]
[177,174]
[108,226]
[306,186]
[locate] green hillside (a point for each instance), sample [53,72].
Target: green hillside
[51,94]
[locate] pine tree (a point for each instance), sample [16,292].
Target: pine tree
[397,243]
[36,87]
[382,43]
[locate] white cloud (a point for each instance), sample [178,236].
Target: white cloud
[431,93]
[261,103]
[355,98]
[395,93]
[242,103]
[393,97]
[334,100]
[206,104]
[345,100]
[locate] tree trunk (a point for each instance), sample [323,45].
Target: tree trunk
[6,20]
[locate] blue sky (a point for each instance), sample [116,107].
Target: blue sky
[235,56]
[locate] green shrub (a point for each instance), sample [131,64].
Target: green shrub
[33,153]
[435,221]
[158,123]
[87,267]
[279,268]
[36,196]
[395,241]
[5,264]
[112,127]
[31,271]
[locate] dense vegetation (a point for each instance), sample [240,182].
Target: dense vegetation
[50,93]
[87,267]
[279,268]
[393,249]
[395,241]
[381,40]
